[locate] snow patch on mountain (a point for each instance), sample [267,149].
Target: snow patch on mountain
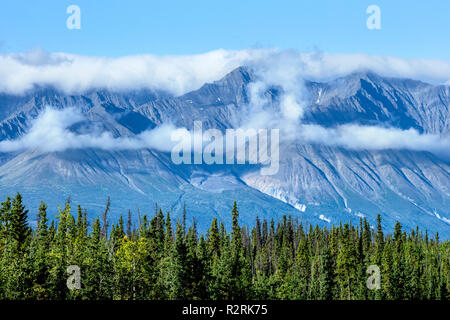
[441,218]
[277,193]
[359,214]
[216,183]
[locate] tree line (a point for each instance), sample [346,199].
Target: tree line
[163,259]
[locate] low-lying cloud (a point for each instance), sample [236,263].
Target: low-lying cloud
[357,137]
[180,74]
[50,132]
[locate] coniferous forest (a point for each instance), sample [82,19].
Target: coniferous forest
[159,258]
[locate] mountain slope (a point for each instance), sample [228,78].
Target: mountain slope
[315,183]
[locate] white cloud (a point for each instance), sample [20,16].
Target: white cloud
[374,138]
[180,74]
[74,73]
[49,132]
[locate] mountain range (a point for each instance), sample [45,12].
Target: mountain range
[316,183]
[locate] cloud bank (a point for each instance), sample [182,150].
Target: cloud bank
[50,132]
[357,137]
[180,74]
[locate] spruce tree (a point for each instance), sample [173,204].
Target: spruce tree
[20,230]
[326,275]
[214,237]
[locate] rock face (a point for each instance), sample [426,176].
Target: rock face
[315,183]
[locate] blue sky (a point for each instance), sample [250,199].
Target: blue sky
[410,29]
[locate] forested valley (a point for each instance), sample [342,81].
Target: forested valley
[163,258]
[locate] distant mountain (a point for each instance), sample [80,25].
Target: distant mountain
[366,98]
[318,184]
